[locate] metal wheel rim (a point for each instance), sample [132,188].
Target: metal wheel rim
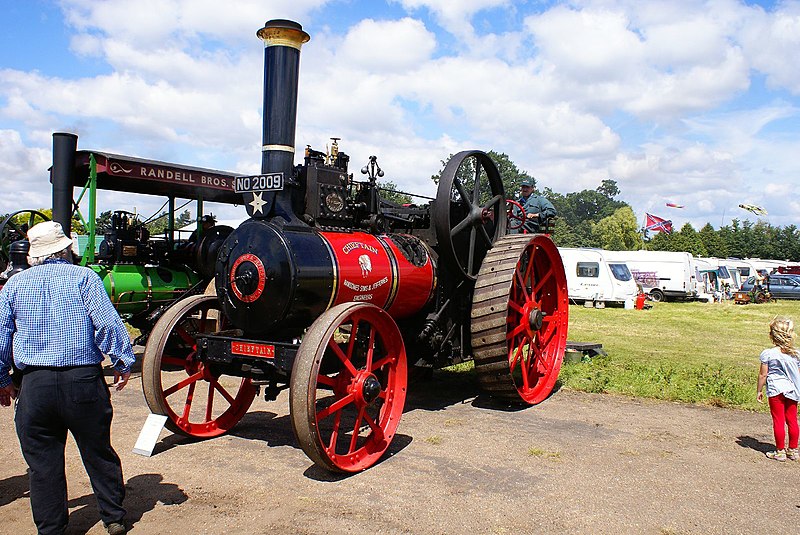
[182,374]
[464,239]
[535,355]
[327,401]
[8,225]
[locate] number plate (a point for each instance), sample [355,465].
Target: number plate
[265,351]
[269,182]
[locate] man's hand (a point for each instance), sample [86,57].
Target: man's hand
[531,216]
[760,396]
[120,379]
[7,393]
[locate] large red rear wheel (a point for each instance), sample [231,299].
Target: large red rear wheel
[520,315]
[348,387]
[197,400]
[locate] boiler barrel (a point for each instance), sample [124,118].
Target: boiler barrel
[277,282]
[135,288]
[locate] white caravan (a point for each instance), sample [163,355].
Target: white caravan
[592,278]
[725,274]
[662,274]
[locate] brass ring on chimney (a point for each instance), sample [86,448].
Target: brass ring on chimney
[283,37]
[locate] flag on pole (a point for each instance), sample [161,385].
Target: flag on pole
[673,205]
[753,208]
[657,224]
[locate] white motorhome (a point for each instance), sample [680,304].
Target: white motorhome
[662,274]
[592,278]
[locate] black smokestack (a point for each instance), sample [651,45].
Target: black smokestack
[62,178]
[282,41]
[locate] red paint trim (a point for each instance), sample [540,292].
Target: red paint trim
[262,277]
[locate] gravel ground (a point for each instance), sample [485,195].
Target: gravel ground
[577,463]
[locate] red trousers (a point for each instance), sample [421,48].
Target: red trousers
[784,414]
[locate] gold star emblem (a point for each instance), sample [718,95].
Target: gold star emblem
[257,203]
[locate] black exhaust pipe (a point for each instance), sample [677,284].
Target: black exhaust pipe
[282,42]
[62,178]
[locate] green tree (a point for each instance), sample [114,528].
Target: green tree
[713,242]
[619,231]
[689,241]
[388,191]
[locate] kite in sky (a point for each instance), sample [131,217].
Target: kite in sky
[753,208]
[673,205]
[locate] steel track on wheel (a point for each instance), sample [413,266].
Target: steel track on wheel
[490,322]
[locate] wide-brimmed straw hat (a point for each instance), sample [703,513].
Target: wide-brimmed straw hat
[47,238]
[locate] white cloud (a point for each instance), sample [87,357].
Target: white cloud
[18,163]
[380,46]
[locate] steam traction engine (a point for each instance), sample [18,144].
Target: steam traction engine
[328,290]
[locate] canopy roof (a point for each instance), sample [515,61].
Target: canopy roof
[137,175]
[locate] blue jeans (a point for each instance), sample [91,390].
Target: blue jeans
[51,402]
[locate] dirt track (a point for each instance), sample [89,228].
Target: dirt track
[576,463]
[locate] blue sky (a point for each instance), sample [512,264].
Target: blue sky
[686,102]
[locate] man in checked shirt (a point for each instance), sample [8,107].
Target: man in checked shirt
[57,322]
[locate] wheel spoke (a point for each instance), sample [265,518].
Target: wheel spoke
[337,421]
[325,380]
[210,404]
[521,285]
[185,336]
[476,192]
[461,191]
[515,307]
[173,361]
[471,252]
[494,200]
[517,330]
[485,235]
[370,348]
[337,405]
[191,380]
[388,359]
[517,354]
[356,427]
[187,407]
[526,368]
[378,430]
[222,391]
[461,226]
[345,360]
[543,279]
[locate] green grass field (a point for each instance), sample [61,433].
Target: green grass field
[691,352]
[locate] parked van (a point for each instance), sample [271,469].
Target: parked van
[662,274]
[592,278]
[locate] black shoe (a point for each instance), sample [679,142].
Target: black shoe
[116,528]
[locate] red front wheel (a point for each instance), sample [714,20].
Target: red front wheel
[197,400]
[348,387]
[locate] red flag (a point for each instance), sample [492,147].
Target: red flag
[657,224]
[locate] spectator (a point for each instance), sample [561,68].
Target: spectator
[537,209]
[780,372]
[56,323]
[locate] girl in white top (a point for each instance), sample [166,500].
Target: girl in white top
[780,371]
